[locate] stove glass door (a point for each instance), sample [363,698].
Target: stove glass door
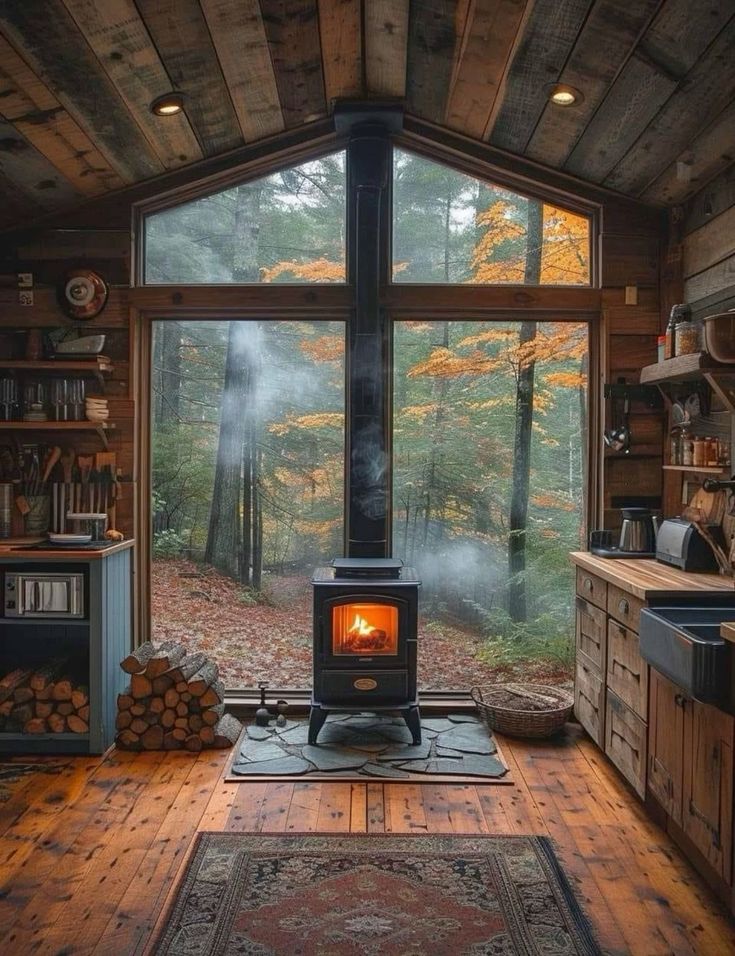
[362,629]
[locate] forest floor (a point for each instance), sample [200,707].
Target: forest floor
[271,640]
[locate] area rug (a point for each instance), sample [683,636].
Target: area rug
[373,895]
[368,746]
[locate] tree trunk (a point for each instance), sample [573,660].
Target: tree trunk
[170,375]
[224,538]
[517,596]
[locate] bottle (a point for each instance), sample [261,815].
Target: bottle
[675,454]
[699,446]
[679,313]
[687,452]
[661,348]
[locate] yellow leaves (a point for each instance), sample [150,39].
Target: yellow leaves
[419,412]
[566,379]
[550,500]
[443,363]
[318,270]
[324,348]
[321,420]
[491,335]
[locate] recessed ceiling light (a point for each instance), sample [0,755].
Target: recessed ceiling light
[168,105]
[564,95]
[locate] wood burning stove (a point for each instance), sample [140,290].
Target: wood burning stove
[365,635]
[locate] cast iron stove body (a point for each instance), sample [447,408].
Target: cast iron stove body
[365,636]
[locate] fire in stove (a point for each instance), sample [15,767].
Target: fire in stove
[365,629]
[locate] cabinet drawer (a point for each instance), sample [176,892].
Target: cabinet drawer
[589,696]
[591,634]
[624,607]
[627,672]
[625,742]
[592,588]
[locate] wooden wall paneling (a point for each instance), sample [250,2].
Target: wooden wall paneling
[633,100]
[613,26]
[629,260]
[705,91]
[292,28]
[37,114]
[340,33]
[706,158]
[432,41]
[490,31]
[643,318]
[386,39]
[710,244]
[45,312]
[119,39]
[548,38]
[29,172]
[239,37]
[180,34]
[632,351]
[713,199]
[632,477]
[711,281]
[45,35]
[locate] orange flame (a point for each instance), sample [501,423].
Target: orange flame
[360,626]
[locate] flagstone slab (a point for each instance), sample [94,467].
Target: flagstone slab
[463,718]
[259,733]
[384,770]
[476,765]
[469,738]
[437,723]
[334,758]
[286,766]
[412,752]
[261,750]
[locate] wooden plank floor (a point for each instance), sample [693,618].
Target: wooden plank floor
[88,856]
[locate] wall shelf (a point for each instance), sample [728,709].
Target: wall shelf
[698,469]
[682,368]
[53,426]
[58,365]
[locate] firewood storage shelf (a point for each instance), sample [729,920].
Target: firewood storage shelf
[105,632]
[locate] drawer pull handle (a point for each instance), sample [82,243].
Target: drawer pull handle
[587,583]
[623,606]
[624,667]
[628,744]
[680,700]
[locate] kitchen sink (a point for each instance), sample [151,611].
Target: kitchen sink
[684,644]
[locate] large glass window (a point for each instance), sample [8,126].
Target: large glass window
[489,442]
[449,227]
[248,462]
[287,227]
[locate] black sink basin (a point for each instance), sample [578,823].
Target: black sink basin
[684,644]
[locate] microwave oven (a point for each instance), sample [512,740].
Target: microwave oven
[38,594]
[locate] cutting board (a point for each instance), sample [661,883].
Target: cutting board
[712,504]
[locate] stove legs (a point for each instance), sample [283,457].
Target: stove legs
[413,722]
[317,716]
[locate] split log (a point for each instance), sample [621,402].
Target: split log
[46,693]
[182,686]
[206,735]
[213,695]
[195,722]
[138,709]
[77,725]
[62,689]
[161,684]
[12,680]
[165,659]
[211,715]
[193,743]
[135,663]
[44,707]
[179,734]
[152,739]
[6,707]
[79,696]
[171,697]
[206,675]
[181,709]
[138,725]
[227,731]
[183,723]
[140,686]
[188,667]
[124,719]
[45,675]
[83,712]
[168,718]
[156,706]
[36,725]
[21,695]
[22,713]
[65,707]
[128,740]
[124,700]
[186,696]
[171,743]
[56,723]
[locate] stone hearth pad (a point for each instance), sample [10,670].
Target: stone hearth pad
[367,745]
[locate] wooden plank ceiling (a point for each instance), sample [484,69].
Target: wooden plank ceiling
[657,118]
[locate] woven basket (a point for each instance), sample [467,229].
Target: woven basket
[516,722]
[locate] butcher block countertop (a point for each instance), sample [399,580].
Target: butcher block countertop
[8,551]
[727,631]
[646,577]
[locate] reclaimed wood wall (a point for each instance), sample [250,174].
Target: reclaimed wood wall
[708,226]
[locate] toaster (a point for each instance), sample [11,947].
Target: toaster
[680,544]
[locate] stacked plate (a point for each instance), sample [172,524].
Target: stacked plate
[96,409]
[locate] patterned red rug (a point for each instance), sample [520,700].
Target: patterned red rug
[373,895]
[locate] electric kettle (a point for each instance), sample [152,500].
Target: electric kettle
[638,530]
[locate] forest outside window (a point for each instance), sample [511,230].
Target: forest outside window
[452,228]
[288,227]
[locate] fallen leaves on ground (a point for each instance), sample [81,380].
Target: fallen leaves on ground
[271,640]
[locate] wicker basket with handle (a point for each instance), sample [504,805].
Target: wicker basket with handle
[519,720]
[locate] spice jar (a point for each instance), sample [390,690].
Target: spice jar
[712,456]
[723,452]
[661,348]
[675,449]
[699,452]
[687,451]
[687,339]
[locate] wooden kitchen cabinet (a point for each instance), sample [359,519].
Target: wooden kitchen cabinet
[666,743]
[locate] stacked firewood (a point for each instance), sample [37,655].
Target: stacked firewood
[43,700]
[175,701]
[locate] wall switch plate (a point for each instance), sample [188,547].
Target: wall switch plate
[631,295]
[25,297]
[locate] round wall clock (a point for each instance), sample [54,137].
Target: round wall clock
[82,294]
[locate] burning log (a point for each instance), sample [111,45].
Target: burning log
[175,701]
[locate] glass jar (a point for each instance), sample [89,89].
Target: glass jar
[687,337]
[687,451]
[713,450]
[699,452]
[675,449]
